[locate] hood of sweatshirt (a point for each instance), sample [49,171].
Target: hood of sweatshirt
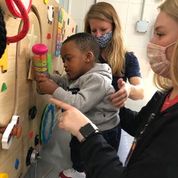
[103,69]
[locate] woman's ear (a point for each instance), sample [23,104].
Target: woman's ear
[89,57]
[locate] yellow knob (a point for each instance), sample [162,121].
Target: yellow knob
[4,175]
[45,1]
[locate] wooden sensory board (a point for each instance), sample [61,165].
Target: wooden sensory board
[20,93]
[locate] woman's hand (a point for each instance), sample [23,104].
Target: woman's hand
[133,90]
[71,119]
[119,98]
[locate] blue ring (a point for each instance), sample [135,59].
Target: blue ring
[45,120]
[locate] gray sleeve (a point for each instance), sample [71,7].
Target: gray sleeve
[62,81]
[93,89]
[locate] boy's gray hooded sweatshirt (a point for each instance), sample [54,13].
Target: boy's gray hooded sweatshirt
[92,97]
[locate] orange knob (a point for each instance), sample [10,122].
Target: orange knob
[17,131]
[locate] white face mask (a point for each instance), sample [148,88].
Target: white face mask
[158,60]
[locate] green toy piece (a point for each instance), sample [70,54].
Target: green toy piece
[3,87]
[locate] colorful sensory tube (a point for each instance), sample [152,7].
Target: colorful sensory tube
[40,58]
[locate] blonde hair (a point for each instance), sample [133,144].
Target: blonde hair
[170,7]
[162,83]
[174,66]
[115,52]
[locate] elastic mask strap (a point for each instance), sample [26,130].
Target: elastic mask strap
[171,44]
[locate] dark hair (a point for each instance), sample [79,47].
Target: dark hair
[86,42]
[2,33]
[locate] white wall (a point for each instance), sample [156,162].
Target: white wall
[78,10]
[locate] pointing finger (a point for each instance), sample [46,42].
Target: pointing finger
[61,104]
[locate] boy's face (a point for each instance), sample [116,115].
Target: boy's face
[75,61]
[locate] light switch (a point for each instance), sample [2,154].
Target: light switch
[142,26]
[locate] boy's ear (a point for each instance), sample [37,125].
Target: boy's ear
[89,57]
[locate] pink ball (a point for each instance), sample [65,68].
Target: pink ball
[40,49]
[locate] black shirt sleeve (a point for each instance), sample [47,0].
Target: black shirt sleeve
[100,159]
[129,120]
[133,121]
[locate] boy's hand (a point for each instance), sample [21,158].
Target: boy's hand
[41,76]
[46,86]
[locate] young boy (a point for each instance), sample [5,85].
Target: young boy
[86,86]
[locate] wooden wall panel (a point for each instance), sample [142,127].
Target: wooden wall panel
[21,93]
[25,90]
